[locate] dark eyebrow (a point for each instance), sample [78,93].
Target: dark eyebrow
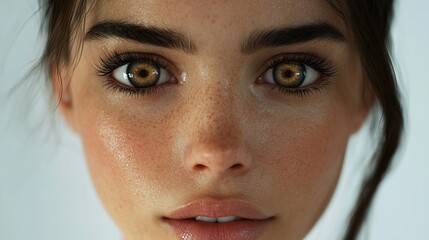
[142,34]
[290,35]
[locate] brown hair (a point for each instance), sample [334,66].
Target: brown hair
[369,22]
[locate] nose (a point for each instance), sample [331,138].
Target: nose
[216,145]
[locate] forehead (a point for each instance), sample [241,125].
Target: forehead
[216,15]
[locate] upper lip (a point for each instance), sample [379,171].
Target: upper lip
[214,208]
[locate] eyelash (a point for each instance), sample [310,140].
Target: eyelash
[115,60]
[324,67]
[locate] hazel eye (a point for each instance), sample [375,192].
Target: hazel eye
[291,75]
[141,75]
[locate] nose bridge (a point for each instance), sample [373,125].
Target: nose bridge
[215,142]
[216,119]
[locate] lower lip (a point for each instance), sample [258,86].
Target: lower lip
[188,229]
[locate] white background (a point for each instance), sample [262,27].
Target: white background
[46,192]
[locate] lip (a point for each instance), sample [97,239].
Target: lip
[250,227]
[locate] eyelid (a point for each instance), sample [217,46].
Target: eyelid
[320,64]
[325,67]
[114,60]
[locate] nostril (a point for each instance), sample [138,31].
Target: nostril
[199,167]
[237,166]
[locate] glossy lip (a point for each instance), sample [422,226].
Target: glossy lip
[250,227]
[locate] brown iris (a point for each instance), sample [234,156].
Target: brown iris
[143,75]
[290,75]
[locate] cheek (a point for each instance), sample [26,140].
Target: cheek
[128,150]
[303,162]
[128,159]
[309,148]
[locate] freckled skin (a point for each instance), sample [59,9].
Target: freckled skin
[218,134]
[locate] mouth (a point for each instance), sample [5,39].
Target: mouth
[210,219]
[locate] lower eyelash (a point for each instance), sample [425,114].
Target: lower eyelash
[302,92]
[132,92]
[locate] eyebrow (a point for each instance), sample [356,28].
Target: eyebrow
[171,39]
[142,34]
[291,35]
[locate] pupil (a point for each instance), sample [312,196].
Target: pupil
[288,74]
[143,73]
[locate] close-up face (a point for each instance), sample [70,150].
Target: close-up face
[215,119]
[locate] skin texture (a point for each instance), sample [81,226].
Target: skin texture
[219,133]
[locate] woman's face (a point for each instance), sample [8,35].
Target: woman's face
[193,109]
